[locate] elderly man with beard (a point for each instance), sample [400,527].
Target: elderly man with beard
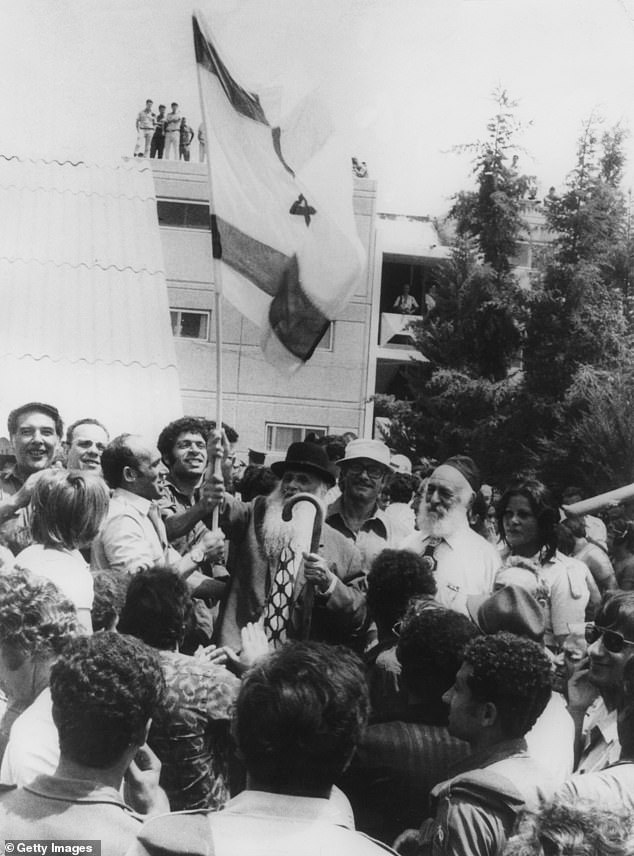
[270,572]
[464,562]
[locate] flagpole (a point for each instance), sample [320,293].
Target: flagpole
[216,469]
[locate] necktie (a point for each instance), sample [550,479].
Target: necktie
[277,609]
[429,554]
[154,516]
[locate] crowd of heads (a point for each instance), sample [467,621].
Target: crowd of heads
[484,673]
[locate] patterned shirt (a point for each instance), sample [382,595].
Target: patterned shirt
[190,733]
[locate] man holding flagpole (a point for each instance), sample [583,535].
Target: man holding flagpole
[271,574]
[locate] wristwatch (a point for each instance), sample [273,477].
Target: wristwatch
[197,555]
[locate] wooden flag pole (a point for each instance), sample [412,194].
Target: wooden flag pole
[214,461]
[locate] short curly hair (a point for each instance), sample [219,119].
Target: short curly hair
[395,577]
[36,619]
[299,715]
[581,828]
[104,689]
[109,596]
[515,674]
[430,648]
[157,609]
[194,424]
[170,434]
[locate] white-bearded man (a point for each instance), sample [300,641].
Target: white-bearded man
[464,562]
[268,572]
[265,555]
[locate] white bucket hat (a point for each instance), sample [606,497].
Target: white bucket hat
[371,450]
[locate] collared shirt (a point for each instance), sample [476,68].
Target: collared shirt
[129,540]
[259,824]
[477,808]
[174,501]
[190,731]
[466,565]
[15,531]
[54,807]
[601,746]
[10,482]
[146,120]
[376,533]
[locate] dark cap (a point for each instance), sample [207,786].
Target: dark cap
[256,457]
[511,608]
[308,457]
[467,467]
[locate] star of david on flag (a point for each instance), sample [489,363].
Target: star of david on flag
[289,255]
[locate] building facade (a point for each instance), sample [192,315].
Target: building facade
[330,394]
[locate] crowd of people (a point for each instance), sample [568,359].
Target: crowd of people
[340,653]
[166,135]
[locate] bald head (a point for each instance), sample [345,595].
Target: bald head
[133,463]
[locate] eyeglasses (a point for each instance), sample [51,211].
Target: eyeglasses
[375,471]
[612,639]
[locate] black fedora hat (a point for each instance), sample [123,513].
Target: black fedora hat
[306,456]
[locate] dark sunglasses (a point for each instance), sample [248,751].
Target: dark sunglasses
[613,640]
[373,470]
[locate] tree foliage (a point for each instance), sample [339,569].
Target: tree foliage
[566,414]
[492,213]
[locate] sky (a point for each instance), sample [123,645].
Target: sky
[403,80]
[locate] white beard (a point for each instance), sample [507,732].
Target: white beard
[443,524]
[277,533]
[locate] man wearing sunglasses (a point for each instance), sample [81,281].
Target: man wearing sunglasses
[595,687]
[356,514]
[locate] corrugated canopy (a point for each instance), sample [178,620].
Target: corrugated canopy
[84,322]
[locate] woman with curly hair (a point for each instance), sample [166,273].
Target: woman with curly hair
[528,518]
[67,509]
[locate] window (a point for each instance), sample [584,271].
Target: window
[280,437]
[325,343]
[190,323]
[188,215]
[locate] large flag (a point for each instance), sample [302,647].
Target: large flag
[289,258]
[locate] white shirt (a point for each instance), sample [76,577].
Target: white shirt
[466,565]
[259,824]
[551,741]
[128,540]
[33,746]
[66,568]
[606,748]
